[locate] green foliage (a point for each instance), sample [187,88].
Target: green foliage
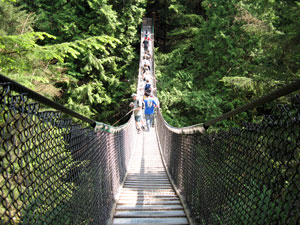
[14,20]
[21,58]
[223,54]
[81,53]
[17,51]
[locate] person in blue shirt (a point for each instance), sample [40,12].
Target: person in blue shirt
[150,105]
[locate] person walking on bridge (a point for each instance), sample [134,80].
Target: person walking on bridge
[148,55]
[148,85]
[146,33]
[155,99]
[150,105]
[137,109]
[146,44]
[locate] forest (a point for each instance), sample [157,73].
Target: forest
[211,56]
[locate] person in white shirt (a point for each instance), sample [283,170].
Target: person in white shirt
[147,76]
[137,110]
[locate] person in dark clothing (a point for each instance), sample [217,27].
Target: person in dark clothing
[147,86]
[146,44]
[147,66]
[147,55]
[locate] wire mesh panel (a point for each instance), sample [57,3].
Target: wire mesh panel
[248,175]
[55,171]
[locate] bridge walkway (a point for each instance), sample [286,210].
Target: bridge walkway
[147,196]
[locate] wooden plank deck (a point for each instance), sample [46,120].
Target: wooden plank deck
[147,196]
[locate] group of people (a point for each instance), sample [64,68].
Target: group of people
[149,102]
[146,106]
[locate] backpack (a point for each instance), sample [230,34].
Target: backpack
[146,43]
[147,86]
[143,103]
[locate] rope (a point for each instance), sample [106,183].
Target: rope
[123,117]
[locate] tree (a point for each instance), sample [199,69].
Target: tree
[87,50]
[226,53]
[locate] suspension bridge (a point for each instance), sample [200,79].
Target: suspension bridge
[57,169]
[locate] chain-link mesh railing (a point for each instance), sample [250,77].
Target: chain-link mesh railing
[53,170]
[247,175]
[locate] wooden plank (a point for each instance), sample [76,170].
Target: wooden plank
[148,198]
[143,187]
[149,179]
[148,207]
[144,221]
[153,196]
[148,176]
[162,178]
[147,164]
[153,174]
[145,171]
[147,182]
[155,164]
[139,188]
[148,193]
[148,169]
[129,214]
[149,202]
[137,191]
[154,190]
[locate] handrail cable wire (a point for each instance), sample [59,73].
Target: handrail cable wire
[46,101]
[201,127]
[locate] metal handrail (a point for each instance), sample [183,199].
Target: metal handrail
[287,89]
[15,86]
[46,101]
